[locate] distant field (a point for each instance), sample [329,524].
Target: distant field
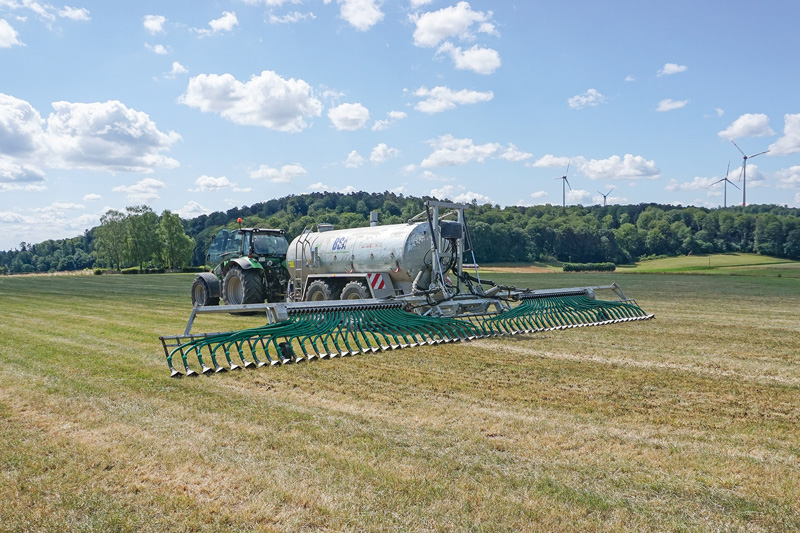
[686,422]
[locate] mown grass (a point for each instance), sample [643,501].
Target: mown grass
[688,421]
[734,264]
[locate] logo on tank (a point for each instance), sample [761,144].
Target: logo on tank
[339,244]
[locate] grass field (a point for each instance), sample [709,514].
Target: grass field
[689,421]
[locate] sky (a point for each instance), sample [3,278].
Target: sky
[198,107]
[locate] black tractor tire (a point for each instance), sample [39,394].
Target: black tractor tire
[319,291]
[201,295]
[244,287]
[355,290]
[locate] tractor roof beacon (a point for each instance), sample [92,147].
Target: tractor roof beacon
[248,268]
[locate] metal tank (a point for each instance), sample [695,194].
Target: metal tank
[400,251]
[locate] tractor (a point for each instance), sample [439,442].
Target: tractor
[249,267]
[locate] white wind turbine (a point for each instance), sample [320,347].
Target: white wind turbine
[745,157]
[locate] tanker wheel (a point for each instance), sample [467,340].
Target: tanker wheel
[355,290]
[244,287]
[318,291]
[201,295]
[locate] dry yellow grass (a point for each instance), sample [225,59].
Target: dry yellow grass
[688,421]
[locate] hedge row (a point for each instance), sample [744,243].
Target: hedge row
[589,267]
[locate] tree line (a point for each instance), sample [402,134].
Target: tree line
[618,234]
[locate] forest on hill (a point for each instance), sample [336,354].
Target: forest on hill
[618,234]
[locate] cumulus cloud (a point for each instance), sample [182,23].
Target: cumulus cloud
[177,68]
[361,14]
[578,196]
[46,12]
[159,49]
[629,167]
[349,117]
[92,197]
[211,184]
[225,23]
[382,153]
[192,210]
[551,161]
[267,100]
[55,221]
[790,142]
[284,174]
[477,59]
[788,178]
[450,151]
[697,184]
[748,125]
[354,160]
[590,98]
[74,13]
[668,104]
[434,27]
[96,136]
[8,35]
[441,98]
[107,136]
[142,191]
[391,118]
[512,154]
[291,18]
[539,194]
[458,193]
[672,68]
[154,23]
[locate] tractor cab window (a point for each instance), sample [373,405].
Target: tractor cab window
[226,243]
[271,245]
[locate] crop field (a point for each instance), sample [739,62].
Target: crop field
[689,421]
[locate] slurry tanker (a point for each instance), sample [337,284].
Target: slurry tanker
[333,293]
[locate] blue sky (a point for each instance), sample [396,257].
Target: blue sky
[201,106]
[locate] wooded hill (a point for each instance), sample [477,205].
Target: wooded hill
[593,234]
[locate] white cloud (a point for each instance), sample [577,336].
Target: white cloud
[225,23]
[668,104]
[458,193]
[75,13]
[107,136]
[177,68]
[159,49]
[790,142]
[349,117]
[192,210]
[142,191]
[8,35]
[477,59]
[672,68]
[266,100]
[628,167]
[92,197]
[578,196]
[551,161]
[430,176]
[630,78]
[354,160]
[418,3]
[361,14]
[291,18]
[788,178]
[455,21]
[512,154]
[719,111]
[382,153]
[210,184]
[285,174]
[539,194]
[318,186]
[391,118]
[748,125]
[441,98]
[590,98]
[698,183]
[154,23]
[449,151]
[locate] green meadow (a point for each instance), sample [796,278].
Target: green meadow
[685,422]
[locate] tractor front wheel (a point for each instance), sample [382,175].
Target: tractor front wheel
[201,296]
[244,287]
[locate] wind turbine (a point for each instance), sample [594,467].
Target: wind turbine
[745,157]
[564,185]
[725,187]
[605,196]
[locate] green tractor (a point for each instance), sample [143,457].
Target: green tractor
[249,267]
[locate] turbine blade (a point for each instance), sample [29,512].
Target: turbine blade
[609,192]
[759,153]
[729,169]
[732,183]
[737,147]
[723,179]
[568,185]
[568,164]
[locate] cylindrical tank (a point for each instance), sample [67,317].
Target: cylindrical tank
[399,250]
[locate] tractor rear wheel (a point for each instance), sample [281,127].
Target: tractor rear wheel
[318,291]
[244,287]
[201,296]
[355,290]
